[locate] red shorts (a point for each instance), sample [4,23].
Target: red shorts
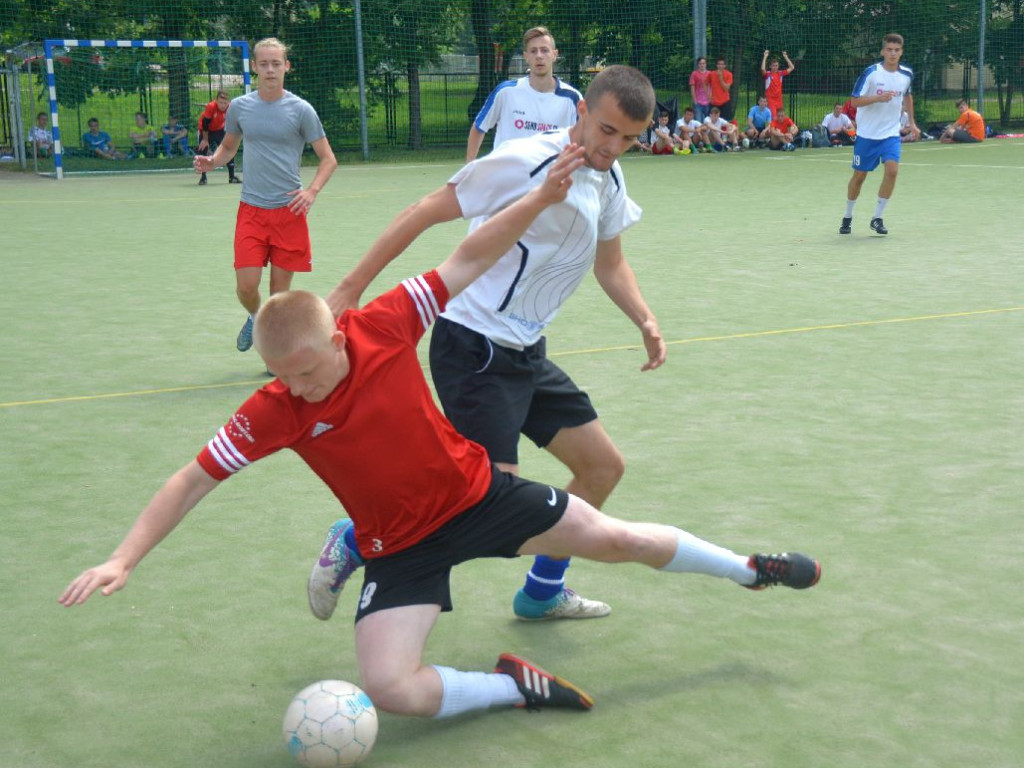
[272,236]
[656,150]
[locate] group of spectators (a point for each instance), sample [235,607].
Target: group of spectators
[708,124]
[146,141]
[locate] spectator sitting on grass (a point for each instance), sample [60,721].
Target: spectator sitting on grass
[969,128]
[175,133]
[98,142]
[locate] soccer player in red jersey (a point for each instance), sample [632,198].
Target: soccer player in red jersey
[773,80]
[352,401]
[211,132]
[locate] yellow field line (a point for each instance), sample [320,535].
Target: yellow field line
[595,350]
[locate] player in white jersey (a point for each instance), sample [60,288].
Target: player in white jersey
[487,352]
[532,104]
[881,94]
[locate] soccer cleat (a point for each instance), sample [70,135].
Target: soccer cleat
[333,566]
[542,689]
[568,605]
[244,340]
[790,569]
[234,180]
[879,227]
[844,226]
[202,180]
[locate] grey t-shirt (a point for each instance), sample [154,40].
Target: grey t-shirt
[275,133]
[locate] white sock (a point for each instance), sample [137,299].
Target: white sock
[849,208]
[880,207]
[695,555]
[469,691]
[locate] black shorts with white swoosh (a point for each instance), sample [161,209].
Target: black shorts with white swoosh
[512,511]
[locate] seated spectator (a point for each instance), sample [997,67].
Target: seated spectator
[969,128]
[758,119]
[839,126]
[41,137]
[175,133]
[851,112]
[906,132]
[662,135]
[98,142]
[645,140]
[719,133]
[143,137]
[782,132]
[687,136]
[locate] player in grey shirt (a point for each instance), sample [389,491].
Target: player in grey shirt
[271,224]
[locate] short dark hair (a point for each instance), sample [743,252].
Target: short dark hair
[964,102]
[720,59]
[892,37]
[630,87]
[40,114]
[92,120]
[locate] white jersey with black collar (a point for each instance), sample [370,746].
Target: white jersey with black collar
[516,110]
[514,301]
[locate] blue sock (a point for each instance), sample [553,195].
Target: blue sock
[350,542]
[546,578]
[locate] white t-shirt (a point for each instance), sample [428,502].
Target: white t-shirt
[835,124]
[519,111]
[693,125]
[716,125]
[882,119]
[514,301]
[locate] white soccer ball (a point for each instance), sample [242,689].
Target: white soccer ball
[330,724]
[746,143]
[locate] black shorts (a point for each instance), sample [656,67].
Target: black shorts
[492,393]
[512,511]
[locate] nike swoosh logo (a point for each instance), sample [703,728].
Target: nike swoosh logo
[325,560]
[554,497]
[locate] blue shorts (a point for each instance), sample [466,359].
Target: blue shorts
[868,153]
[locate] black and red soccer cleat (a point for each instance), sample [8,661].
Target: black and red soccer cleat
[790,569]
[540,688]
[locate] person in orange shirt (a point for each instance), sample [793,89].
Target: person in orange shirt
[969,128]
[721,89]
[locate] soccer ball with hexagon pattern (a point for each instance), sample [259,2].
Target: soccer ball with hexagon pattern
[330,724]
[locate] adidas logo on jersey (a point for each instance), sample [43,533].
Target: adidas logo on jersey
[320,428]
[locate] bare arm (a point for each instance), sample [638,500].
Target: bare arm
[303,199]
[439,206]
[490,241]
[225,152]
[618,280]
[165,510]
[908,107]
[764,61]
[476,138]
[790,66]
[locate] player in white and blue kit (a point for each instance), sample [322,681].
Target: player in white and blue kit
[881,94]
[533,104]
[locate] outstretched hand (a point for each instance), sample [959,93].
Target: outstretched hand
[112,575]
[202,163]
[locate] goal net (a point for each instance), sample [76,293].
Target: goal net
[134,105]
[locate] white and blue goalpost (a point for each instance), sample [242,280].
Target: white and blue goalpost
[50,45]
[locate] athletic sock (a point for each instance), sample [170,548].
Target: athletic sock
[469,691]
[350,542]
[695,555]
[882,201]
[546,578]
[849,208]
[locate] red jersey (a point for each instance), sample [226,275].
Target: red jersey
[783,125]
[773,86]
[214,115]
[378,441]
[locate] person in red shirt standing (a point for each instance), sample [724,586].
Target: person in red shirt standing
[211,132]
[721,89]
[352,401]
[773,80]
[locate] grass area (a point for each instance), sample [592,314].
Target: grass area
[856,398]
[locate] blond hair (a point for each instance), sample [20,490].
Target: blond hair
[534,32]
[270,42]
[291,321]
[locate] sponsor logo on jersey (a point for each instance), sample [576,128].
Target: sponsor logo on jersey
[533,125]
[240,426]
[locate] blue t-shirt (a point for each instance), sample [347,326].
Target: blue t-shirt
[96,141]
[759,117]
